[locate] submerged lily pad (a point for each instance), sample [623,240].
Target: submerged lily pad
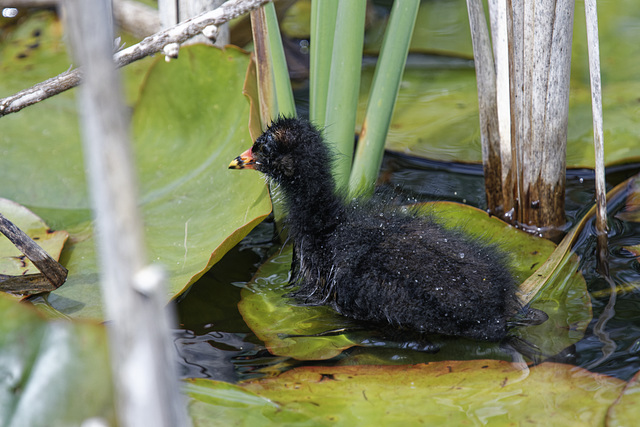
[286,328]
[292,330]
[478,392]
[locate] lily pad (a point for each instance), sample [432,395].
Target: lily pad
[436,115]
[47,367]
[624,411]
[286,328]
[442,28]
[478,392]
[12,261]
[189,120]
[564,298]
[631,210]
[292,330]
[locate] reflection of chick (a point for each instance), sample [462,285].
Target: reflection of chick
[372,262]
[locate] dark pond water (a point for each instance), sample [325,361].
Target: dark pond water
[215,342]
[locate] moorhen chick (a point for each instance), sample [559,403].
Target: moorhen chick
[374,262]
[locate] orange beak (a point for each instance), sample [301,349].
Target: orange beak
[243,161]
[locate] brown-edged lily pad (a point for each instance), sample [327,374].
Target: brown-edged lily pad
[563,296]
[12,262]
[17,272]
[624,411]
[305,332]
[479,392]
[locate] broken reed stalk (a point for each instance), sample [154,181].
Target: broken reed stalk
[488,109]
[541,70]
[536,37]
[142,353]
[602,250]
[54,273]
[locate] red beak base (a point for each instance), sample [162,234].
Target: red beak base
[243,161]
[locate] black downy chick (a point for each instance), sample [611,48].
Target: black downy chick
[373,262]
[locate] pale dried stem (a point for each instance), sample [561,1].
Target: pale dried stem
[142,353]
[591,14]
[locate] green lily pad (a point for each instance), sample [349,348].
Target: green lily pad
[624,411]
[189,121]
[32,51]
[276,319]
[479,392]
[189,198]
[619,51]
[292,330]
[451,131]
[12,261]
[564,298]
[436,115]
[48,367]
[442,28]
[526,252]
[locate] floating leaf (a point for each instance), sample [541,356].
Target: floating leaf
[276,319]
[18,274]
[291,330]
[564,297]
[550,289]
[631,210]
[12,261]
[49,367]
[436,115]
[190,120]
[624,411]
[478,392]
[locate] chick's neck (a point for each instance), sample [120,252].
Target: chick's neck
[314,209]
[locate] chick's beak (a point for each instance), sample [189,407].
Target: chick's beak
[243,161]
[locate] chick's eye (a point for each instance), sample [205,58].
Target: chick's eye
[259,147]
[270,142]
[265,145]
